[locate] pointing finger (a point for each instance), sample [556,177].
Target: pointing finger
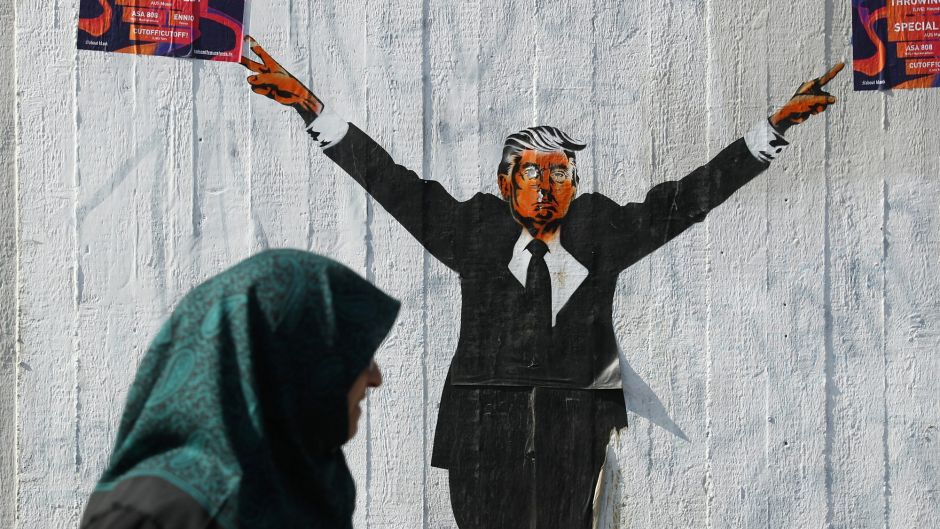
[826,97]
[822,99]
[256,67]
[269,61]
[806,88]
[831,73]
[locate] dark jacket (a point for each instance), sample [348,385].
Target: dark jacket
[475,238]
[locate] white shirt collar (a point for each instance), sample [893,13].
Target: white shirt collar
[554,246]
[565,271]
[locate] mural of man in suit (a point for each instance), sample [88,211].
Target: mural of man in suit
[534,387]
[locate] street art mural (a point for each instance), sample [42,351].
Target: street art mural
[198,29]
[534,387]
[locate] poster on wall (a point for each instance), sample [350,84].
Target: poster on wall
[199,29]
[896,44]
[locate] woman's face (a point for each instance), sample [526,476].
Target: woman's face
[370,377]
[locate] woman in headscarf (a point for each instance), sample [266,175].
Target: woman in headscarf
[242,402]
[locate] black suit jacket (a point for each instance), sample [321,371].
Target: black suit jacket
[475,238]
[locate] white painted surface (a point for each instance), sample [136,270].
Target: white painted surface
[7,288]
[781,357]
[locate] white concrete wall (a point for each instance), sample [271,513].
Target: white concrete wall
[7,282]
[783,355]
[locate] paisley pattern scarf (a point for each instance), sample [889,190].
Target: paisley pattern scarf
[240,400]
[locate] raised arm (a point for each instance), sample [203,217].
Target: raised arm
[274,81]
[423,207]
[672,207]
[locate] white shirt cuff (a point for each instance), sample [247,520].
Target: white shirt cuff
[328,128]
[764,142]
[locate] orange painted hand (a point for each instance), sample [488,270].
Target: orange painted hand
[809,99]
[274,81]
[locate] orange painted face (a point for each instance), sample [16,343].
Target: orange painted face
[540,189]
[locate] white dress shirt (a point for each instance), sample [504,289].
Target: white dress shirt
[565,271]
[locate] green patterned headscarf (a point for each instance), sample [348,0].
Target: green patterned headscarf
[241,399]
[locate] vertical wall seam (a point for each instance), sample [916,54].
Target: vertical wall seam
[884,113]
[290,26]
[885,308]
[195,205]
[768,308]
[708,485]
[369,264]
[17,279]
[594,102]
[536,51]
[76,295]
[250,217]
[249,178]
[828,329]
[478,76]
[426,133]
[650,69]
[829,344]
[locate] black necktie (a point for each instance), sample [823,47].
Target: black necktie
[538,286]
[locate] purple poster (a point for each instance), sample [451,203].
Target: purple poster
[201,29]
[896,44]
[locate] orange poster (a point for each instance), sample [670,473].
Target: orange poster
[896,44]
[202,29]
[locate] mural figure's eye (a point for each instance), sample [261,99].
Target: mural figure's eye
[531,173]
[560,176]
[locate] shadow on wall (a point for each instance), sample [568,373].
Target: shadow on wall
[641,400]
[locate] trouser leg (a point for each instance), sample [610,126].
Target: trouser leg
[491,483]
[532,458]
[572,428]
[565,466]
